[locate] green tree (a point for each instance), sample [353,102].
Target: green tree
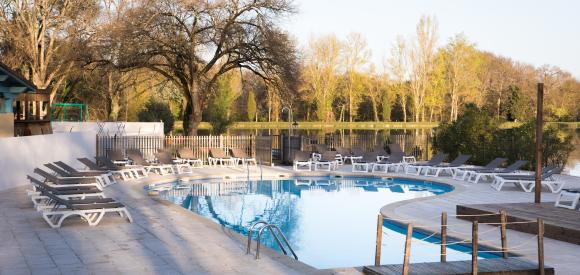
[219,114]
[516,106]
[477,134]
[155,111]
[251,106]
[467,134]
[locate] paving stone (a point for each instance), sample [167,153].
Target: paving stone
[169,240]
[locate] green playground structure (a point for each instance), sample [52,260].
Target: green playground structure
[68,112]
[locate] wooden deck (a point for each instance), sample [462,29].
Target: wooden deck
[559,223]
[485,266]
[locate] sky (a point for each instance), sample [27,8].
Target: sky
[532,31]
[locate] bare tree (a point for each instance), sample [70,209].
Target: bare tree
[356,56]
[321,74]
[398,65]
[193,43]
[422,57]
[42,37]
[462,66]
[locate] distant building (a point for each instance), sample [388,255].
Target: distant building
[23,110]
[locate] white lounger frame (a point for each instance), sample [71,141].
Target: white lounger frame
[223,162]
[299,164]
[387,166]
[361,167]
[55,217]
[573,197]
[553,185]
[325,165]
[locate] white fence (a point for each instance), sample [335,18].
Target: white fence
[110,128]
[20,155]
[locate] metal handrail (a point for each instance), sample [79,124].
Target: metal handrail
[269,227]
[250,234]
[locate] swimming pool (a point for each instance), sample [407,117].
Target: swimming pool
[330,222]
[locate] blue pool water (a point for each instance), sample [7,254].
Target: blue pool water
[330,222]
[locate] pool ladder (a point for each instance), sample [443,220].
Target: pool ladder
[263,225]
[259,164]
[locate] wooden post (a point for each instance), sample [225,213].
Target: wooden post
[503,229]
[407,249]
[539,132]
[474,248]
[541,246]
[379,241]
[443,237]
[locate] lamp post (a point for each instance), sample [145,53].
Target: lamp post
[539,133]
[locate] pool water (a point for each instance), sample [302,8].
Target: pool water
[330,222]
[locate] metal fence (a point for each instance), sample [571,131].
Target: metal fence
[267,149]
[200,145]
[416,144]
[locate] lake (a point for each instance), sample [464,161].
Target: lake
[572,166]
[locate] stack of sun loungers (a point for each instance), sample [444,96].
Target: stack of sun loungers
[58,197]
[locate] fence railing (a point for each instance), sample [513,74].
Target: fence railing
[416,144]
[200,145]
[267,149]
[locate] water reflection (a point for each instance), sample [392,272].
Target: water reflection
[572,166]
[330,222]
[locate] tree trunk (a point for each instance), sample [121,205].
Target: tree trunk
[404,105]
[114,107]
[350,104]
[196,112]
[375,109]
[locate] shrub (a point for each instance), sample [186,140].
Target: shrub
[467,135]
[155,111]
[477,134]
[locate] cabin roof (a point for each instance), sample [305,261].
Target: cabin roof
[13,82]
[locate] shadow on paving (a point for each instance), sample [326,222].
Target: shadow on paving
[163,239]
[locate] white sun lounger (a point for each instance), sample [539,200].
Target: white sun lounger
[327,161]
[89,211]
[476,176]
[394,161]
[527,182]
[302,161]
[571,195]
[186,156]
[448,168]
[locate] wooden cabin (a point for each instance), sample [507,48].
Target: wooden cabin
[24,110]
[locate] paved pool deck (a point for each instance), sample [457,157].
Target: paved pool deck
[166,239]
